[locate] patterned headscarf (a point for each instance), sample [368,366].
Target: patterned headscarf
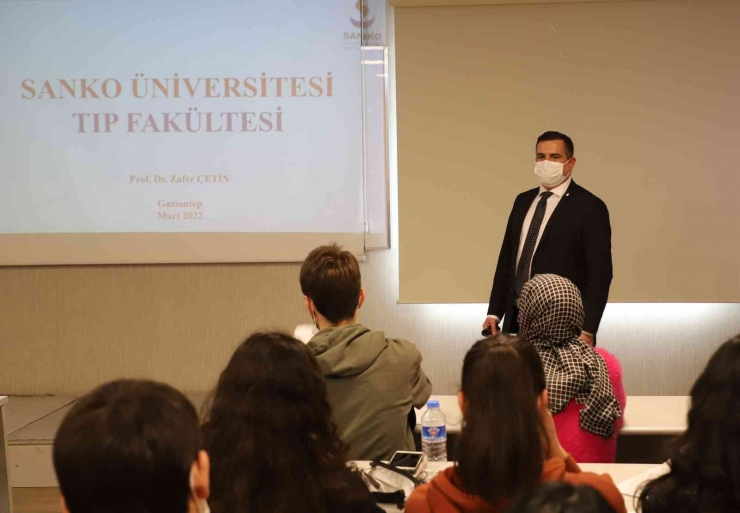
[551,316]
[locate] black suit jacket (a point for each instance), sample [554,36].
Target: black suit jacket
[576,244]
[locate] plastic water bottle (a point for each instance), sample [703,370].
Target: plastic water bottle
[434,432]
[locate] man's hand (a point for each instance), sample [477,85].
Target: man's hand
[492,323]
[587,338]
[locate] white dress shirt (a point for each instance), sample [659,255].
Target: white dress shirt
[552,202]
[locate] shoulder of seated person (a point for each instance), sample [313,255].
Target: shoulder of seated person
[612,362]
[608,357]
[404,346]
[417,501]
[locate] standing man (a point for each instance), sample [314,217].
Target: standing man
[559,228]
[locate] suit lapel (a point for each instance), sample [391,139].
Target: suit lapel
[558,214]
[518,220]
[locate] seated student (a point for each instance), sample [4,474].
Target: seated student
[584,385]
[558,497]
[508,443]
[272,442]
[705,459]
[374,382]
[132,446]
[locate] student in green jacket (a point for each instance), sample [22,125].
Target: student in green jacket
[374,382]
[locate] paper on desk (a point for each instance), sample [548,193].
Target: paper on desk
[384,480]
[632,487]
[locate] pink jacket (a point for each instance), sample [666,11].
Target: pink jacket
[586,447]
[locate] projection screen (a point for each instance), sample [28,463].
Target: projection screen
[180,131]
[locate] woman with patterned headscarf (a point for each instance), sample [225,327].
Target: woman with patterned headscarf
[584,385]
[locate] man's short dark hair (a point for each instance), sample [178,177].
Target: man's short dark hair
[331,278]
[128,446]
[557,136]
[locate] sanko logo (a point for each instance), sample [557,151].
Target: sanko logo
[364,21]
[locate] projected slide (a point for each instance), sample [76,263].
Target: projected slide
[180,116]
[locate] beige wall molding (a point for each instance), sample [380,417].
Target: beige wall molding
[165,248]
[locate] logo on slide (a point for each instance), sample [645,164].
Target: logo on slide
[361,33]
[364,11]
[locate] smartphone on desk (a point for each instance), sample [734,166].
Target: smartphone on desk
[407,460]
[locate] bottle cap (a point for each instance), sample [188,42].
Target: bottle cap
[432,403]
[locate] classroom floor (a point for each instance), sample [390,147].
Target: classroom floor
[36,500]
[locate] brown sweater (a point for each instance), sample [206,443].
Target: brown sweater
[442,494]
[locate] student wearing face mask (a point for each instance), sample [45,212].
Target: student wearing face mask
[558,228]
[373,381]
[132,446]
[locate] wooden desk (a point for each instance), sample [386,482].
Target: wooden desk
[6,492]
[650,423]
[655,415]
[644,415]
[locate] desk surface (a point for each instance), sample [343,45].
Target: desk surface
[644,415]
[618,472]
[655,415]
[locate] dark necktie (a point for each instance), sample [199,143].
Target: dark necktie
[525,260]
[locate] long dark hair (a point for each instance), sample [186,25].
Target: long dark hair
[269,433]
[705,459]
[500,452]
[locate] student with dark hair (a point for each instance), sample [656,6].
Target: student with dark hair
[705,459]
[271,438]
[132,446]
[508,443]
[374,382]
[559,497]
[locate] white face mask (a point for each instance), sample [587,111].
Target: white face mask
[200,504]
[550,173]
